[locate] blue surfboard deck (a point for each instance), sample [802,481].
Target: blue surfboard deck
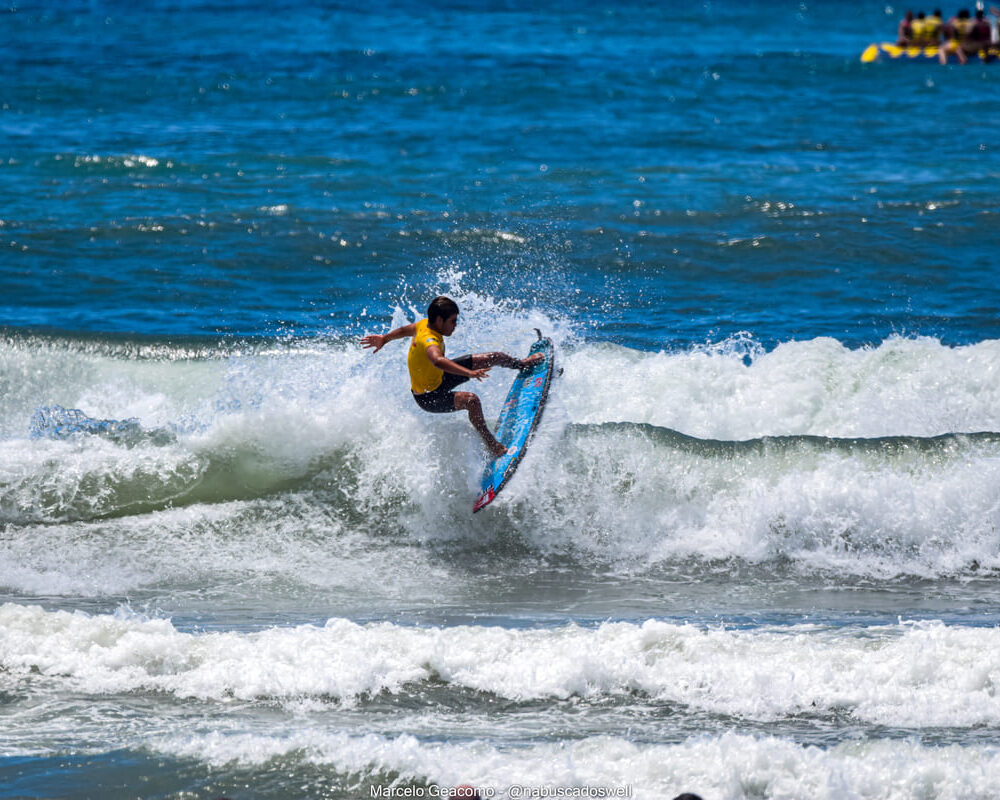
[520,415]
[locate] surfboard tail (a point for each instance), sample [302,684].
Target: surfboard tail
[484,499]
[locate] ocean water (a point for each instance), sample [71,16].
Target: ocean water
[754,550]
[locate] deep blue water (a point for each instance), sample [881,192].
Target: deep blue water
[671,176]
[753,551]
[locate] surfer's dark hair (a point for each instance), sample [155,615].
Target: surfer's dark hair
[441,307]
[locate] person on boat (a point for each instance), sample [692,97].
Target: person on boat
[933,26]
[982,33]
[433,377]
[956,38]
[926,30]
[904,36]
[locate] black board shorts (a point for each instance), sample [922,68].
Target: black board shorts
[442,399]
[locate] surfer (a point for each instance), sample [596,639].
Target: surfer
[433,377]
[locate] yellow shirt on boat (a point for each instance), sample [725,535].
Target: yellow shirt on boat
[424,376]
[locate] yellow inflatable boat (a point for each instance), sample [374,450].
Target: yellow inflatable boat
[888,51]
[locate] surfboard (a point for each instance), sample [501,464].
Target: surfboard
[520,415]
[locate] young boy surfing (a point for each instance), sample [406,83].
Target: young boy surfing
[433,377]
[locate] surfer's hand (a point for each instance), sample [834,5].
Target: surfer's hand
[375,341]
[479,374]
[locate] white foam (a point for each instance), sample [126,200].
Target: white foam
[915,387]
[727,767]
[85,478]
[629,495]
[256,548]
[330,417]
[924,675]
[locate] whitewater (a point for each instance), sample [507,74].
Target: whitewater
[781,561]
[878,460]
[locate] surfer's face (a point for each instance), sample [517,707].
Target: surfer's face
[449,325]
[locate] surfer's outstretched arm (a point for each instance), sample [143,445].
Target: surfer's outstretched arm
[377,341]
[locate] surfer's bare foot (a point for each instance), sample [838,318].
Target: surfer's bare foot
[530,361]
[497,450]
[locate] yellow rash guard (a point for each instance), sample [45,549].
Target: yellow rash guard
[424,376]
